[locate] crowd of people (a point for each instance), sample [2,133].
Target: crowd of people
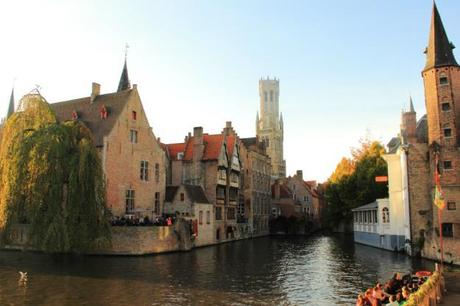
[141,221]
[394,293]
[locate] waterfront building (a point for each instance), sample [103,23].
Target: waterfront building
[378,224]
[133,161]
[302,194]
[270,127]
[283,203]
[256,177]
[190,203]
[212,162]
[414,154]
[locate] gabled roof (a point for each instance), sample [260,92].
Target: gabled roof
[212,146]
[439,51]
[174,148]
[90,112]
[285,192]
[195,193]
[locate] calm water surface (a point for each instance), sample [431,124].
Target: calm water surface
[320,270]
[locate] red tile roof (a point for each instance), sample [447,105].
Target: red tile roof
[212,146]
[174,149]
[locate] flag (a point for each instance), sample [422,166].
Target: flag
[438,194]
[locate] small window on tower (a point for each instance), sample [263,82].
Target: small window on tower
[447,165]
[443,80]
[448,132]
[445,106]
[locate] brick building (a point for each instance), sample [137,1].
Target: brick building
[212,162]
[133,161]
[256,184]
[435,136]
[283,203]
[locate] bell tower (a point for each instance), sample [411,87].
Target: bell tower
[269,126]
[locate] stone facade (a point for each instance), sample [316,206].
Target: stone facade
[133,161]
[256,184]
[283,203]
[269,128]
[302,195]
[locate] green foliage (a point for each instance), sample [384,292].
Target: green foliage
[51,178]
[353,182]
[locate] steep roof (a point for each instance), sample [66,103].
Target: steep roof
[195,193]
[439,51]
[285,192]
[175,148]
[11,105]
[90,112]
[212,146]
[124,83]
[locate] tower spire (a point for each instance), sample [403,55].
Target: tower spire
[124,79]
[439,51]
[11,105]
[411,105]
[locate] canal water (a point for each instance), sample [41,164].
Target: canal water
[318,270]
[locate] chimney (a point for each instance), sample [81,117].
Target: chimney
[299,174]
[228,130]
[95,91]
[198,146]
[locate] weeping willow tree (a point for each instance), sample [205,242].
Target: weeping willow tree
[51,178]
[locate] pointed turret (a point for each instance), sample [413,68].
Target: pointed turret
[11,105]
[411,106]
[439,51]
[124,79]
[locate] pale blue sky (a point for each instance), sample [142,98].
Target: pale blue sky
[345,67]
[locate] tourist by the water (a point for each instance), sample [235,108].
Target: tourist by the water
[392,301]
[360,300]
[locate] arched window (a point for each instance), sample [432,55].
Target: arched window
[385,215]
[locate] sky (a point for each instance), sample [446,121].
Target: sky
[346,68]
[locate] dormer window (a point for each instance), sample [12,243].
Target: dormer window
[134,115]
[103,112]
[74,115]
[443,80]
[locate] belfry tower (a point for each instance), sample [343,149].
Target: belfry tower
[269,127]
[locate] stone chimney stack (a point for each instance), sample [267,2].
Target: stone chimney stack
[299,174]
[409,125]
[95,91]
[228,130]
[198,144]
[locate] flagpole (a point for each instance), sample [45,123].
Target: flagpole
[441,246]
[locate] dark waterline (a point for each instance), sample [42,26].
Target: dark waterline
[319,270]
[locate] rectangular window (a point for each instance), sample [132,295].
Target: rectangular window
[182,197]
[445,106]
[208,217]
[157,203]
[220,193]
[443,80]
[447,230]
[218,213]
[447,165]
[133,136]
[134,115]
[451,205]
[200,217]
[144,175]
[129,199]
[157,172]
[447,132]
[231,213]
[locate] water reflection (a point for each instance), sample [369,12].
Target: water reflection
[318,270]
